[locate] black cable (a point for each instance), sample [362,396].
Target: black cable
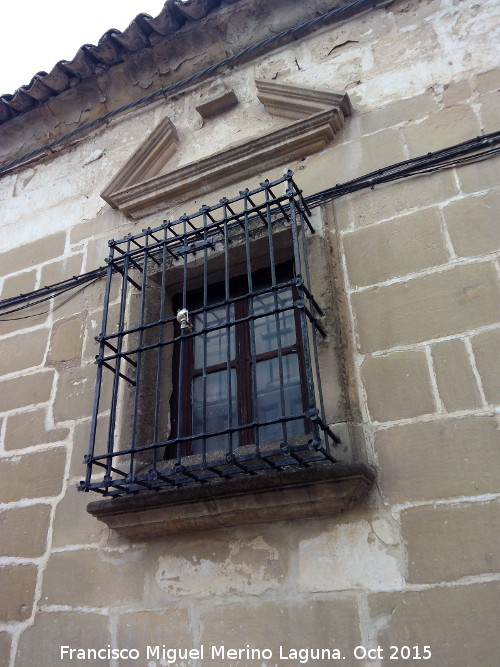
[339,12]
[473,150]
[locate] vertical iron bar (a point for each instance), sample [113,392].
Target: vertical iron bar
[251,322]
[205,342]
[119,345]
[159,354]
[276,314]
[227,296]
[98,382]
[139,354]
[182,342]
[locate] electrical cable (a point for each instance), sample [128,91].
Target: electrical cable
[467,152]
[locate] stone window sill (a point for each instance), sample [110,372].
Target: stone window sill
[319,490]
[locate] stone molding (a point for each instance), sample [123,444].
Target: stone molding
[146,162]
[139,190]
[297,102]
[297,493]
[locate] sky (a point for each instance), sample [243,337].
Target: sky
[36,34]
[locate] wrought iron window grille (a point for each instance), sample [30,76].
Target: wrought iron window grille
[208,356]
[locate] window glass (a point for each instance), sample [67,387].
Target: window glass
[269,396]
[217,409]
[216,341]
[265,328]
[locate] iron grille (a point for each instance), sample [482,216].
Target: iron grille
[208,355]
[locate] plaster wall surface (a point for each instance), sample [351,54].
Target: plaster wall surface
[417,263]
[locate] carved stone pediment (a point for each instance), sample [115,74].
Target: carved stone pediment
[139,188]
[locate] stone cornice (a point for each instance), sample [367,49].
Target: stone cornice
[296,102]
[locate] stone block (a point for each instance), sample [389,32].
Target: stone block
[169,628]
[24,531]
[72,524]
[434,306]
[479,175]
[31,254]
[36,316]
[444,128]
[5,642]
[343,553]
[486,347]
[399,112]
[81,437]
[97,251]
[488,81]
[26,429]
[213,566]
[447,542]
[473,224]
[51,630]
[75,393]
[63,269]
[36,475]
[413,44]
[456,383]
[397,385]
[66,341]
[489,112]
[439,459]
[17,592]
[23,351]
[331,624]
[26,390]
[102,225]
[387,201]
[85,578]
[395,248]
[458,623]
[457,92]
[22,283]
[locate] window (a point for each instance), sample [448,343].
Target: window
[208,363]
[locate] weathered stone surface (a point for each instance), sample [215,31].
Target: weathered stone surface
[488,81]
[447,542]
[442,129]
[490,118]
[36,475]
[75,393]
[72,524]
[331,624]
[26,390]
[397,385]
[63,269]
[395,248]
[101,225]
[386,201]
[24,531]
[398,112]
[343,553]
[19,284]
[473,224]
[439,459]
[459,624]
[169,628]
[88,578]
[237,566]
[480,175]
[23,351]
[26,429]
[33,253]
[457,385]
[456,92]
[17,590]
[52,630]
[81,439]
[38,315]
[433,306]
[486,348]
[5,641]
[66,341]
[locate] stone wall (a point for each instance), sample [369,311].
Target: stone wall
[413,564]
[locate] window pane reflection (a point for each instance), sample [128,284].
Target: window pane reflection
[269,397]
[266,331]
[217,410]
[216,340]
